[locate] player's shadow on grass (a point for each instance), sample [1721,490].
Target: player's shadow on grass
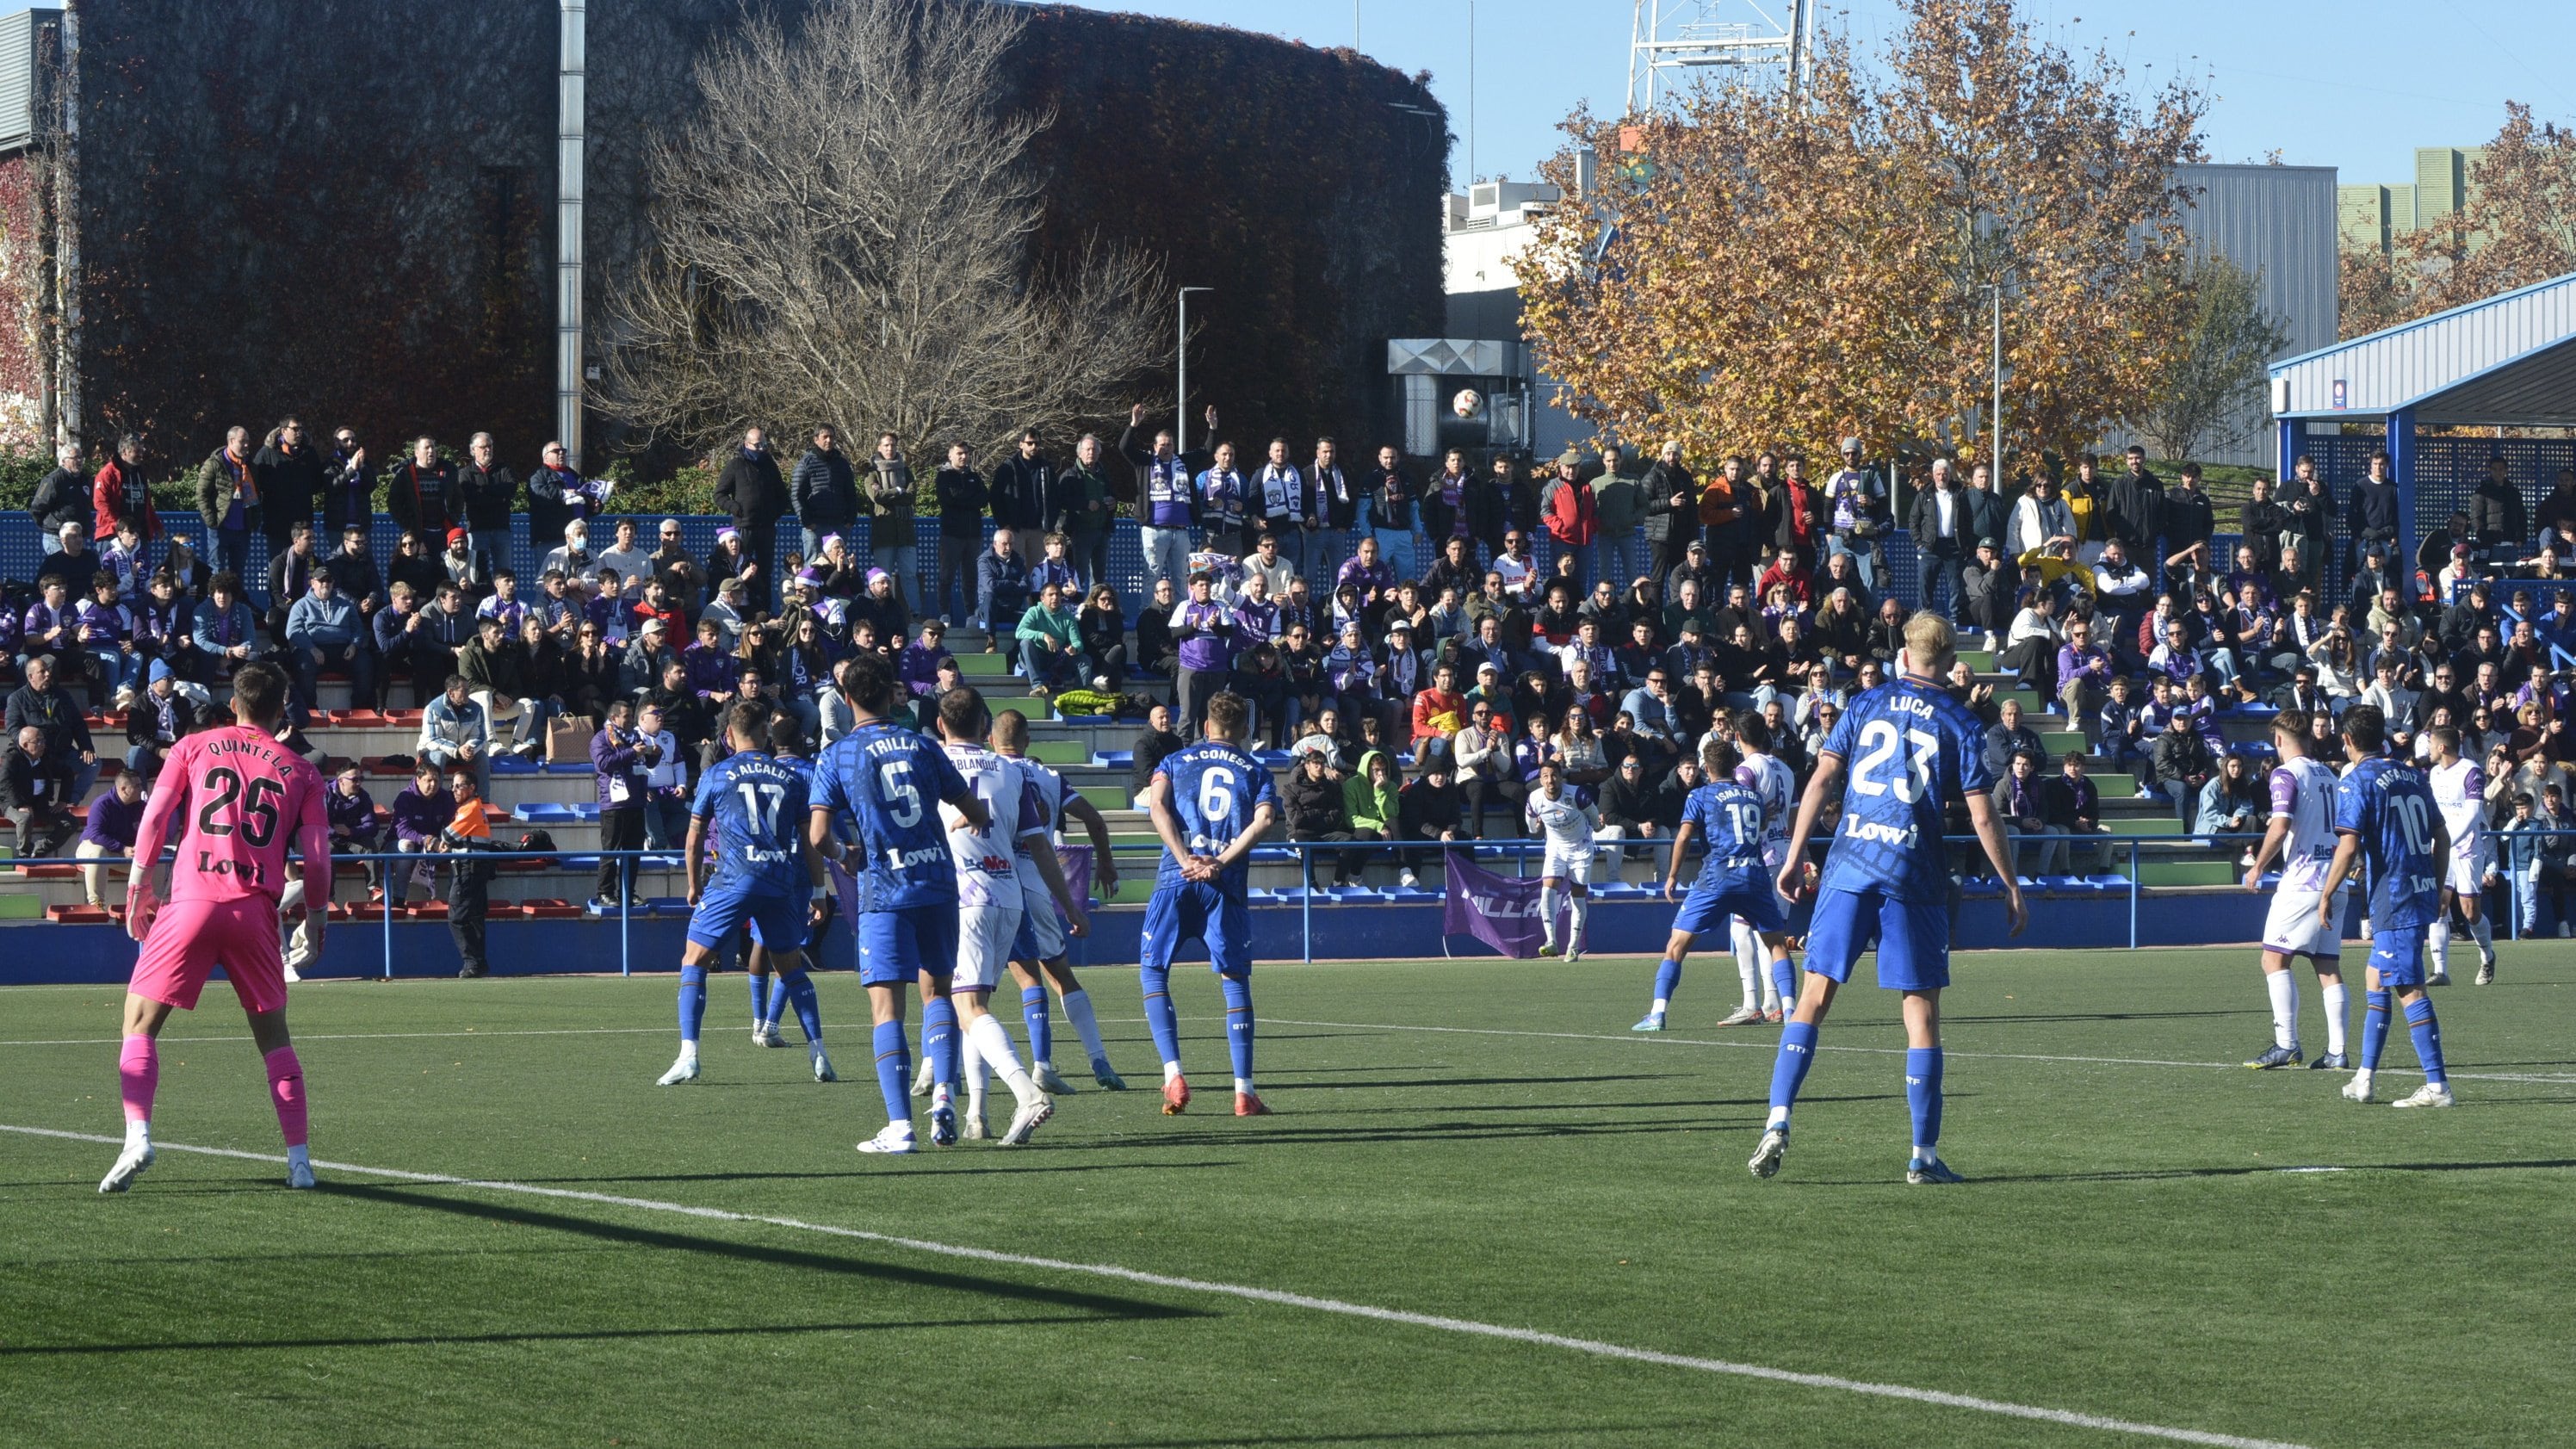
[2043,1017]
[1420,1083]
[569,1335]
[1701,1105]
[2287,1170]
[1098,1305]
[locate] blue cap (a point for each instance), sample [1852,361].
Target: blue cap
[160,671]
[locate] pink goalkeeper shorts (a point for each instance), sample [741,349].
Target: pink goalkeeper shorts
[190,939]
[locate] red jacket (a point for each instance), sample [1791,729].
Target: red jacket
[1573,514]
[118,495]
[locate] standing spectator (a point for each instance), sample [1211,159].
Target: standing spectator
[616,756]
[1019,493]
[1573,514]
[1485,507]
[891,507]
[1798,513]
[2039,520]
[122,495]
[1278,506]
[1082,507]
[1388,513]
[1225,502]
[1986,590]
[1619,496]
[353,568]
[46,706]
[2498,518]
[2305,497]
[559,497]
[825,491]
[1486,779]
[59,498]
[421,493]
[2370,514]
[291,481]
[1942,537]
[1332,514]
[32,794]
[228,501]
[324,631]
[629,558]
[468,838]
[1208,636]
[1671,500]
[1858,515]
[750,489]
[455,732]
[108,834]
[1167,499]
[2189,519]
[288,574]
[961,495]
[1722,503]
[666,778]
[349,484]
[2134,512]
[489,493]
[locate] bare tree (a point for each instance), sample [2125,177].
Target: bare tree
[2212,395]
[844,234]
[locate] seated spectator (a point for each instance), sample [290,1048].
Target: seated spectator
[1437,712]
[32,793]
[1103,627]
[1050,642]
[350,814]
[1482,750]
[108,834]
[2007,737]
[2071,803]
[1002,587]
[455,732]
[420,816]
[2179,765]
[324,631]
[1152,745]
[1427,809]
[46,705]
[2021,805]
[160,719]
[2231,802]
[1370,809]
[1311,805]
[666,779]
[496,677]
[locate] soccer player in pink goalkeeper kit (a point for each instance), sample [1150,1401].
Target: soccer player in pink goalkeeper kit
[238,797]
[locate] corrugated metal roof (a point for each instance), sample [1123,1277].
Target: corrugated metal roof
[25,47]
[2503,360]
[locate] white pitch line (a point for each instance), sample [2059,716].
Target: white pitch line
[1642,1038]
[1594,1347]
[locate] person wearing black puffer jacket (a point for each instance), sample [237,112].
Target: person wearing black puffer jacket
[1427,809]
[751,489]
[825,490]
[1312,802]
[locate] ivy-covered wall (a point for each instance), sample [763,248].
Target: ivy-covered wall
[345,208]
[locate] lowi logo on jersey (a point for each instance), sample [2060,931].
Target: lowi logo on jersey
[1900,836]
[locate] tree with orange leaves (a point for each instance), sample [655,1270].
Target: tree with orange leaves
[2519,227]
[1753,270]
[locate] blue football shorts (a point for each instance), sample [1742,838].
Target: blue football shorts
[1706,911]
[2397,954]
[1197,911]
[777,920]
[896,946]
[1913,939]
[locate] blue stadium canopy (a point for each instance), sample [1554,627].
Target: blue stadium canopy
[2507,360]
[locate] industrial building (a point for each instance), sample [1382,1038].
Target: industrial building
[2374,217]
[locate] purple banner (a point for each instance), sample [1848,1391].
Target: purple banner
[1499,910]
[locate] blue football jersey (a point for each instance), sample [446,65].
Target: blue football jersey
[885,782]
[1729,817]
[1215,789]
[2389,806]
[1907,749]
[758,805]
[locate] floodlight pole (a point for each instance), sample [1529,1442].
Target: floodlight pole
[1181,398]
[1995,419]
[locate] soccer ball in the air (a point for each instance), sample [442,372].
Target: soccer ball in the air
[1467,403]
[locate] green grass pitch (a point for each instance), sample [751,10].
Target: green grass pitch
[2132,1244]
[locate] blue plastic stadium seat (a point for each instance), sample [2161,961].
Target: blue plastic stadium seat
[2109,882]
[544,814]
[1268,759]
[513,765]
[1085,719]
[564,767]
[1114,759]
[1980,889]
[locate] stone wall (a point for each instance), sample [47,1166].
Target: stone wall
[346,207]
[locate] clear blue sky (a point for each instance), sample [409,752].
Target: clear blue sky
[2356,85]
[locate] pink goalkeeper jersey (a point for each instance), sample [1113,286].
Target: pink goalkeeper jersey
[241,799]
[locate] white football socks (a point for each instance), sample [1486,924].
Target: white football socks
[1748,957]
[991,1046]
[1077,1009]
[2334,997]
[1574,932]
[2441,942]
[1548,896]
[2484,935]
[2284,990]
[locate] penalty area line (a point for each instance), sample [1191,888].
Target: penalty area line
[1278,1297]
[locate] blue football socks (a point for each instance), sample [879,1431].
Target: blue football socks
[799,988]
[777,1006]
[693,1001]
[2428,1038]
[1033,1011]
[2374,1028]
[939,1040]
[1784,979]
[1668,977]
[1159,1016]
[760,997]
[1789,1071]
[894,1070]
[1238,1024]
[1923,1097]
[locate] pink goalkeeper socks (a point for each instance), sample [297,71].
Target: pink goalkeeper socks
[138,1070]
[286,1088]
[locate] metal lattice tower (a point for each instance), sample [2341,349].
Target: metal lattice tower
[1673,35]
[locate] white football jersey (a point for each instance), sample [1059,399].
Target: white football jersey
[984,873]
[1769,777]
[1563,821]
[1046,791]
[2303,790]
[2460,790]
